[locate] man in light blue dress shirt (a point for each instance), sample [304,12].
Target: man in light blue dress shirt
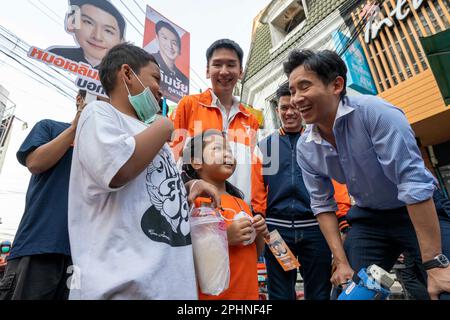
[368,144]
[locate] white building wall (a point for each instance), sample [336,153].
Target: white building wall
[3,100]
[260,89]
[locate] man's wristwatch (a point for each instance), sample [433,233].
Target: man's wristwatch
[440,261]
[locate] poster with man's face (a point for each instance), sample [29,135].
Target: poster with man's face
[170,46]
[96,27]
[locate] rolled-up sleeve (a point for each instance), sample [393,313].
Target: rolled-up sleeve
[320,188]
[398,154]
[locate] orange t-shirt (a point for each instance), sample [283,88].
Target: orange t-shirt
[243,259]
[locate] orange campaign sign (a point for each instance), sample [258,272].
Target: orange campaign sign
[170,45]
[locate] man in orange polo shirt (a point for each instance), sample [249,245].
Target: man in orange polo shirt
[217,108]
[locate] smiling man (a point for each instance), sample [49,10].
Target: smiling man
[279,194]
[217,108]
[97,27]
[368,144]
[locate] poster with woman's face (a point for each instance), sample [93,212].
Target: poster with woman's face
[170,46]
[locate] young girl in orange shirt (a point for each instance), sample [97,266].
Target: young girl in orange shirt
[208,157]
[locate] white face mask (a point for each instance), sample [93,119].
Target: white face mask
[145,103]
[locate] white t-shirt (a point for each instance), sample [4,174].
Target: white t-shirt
[132,242]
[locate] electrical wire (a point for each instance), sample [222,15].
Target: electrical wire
[26,63]
[201,79]
[129,21]
[18,43]
[131,12]
[45,13]
[137,4]
[49,9]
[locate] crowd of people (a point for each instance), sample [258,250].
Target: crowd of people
[107,208]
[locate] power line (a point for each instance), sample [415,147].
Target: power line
[45,13]
[17,69]
[25,47]
[35,67]
[50,9]
[201,79]
[128,20]
[137,4]
[46,80]
[131,12]
[38,66]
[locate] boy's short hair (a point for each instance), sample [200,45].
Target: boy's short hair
[326,64]
[124,53]
[163,24]
[224,44]
[283,91]
[107,6]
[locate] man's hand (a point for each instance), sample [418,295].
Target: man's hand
[259,223]
[342,274]
[239,231]
[201,188]
[2,264]
[438,281]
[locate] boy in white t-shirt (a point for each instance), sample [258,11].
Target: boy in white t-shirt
[128,208]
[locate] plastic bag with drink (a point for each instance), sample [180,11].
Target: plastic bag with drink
[210,246]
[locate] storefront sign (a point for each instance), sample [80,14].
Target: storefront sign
[399,12]
[359,77]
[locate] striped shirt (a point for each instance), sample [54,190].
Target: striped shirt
[377,157]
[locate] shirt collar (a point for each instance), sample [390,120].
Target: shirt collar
[314,135]
[343,109]
[216,102]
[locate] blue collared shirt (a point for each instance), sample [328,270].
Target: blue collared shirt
[377,157]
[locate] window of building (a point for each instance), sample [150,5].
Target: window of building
[291,16]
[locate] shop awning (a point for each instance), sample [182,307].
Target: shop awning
[437,50]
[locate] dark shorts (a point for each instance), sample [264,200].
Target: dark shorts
[37,277]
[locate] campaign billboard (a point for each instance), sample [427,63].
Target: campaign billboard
[170,45]
[96,27]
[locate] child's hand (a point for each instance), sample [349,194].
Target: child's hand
[239,231]
[259,223]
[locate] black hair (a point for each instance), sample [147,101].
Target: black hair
[283,91]
[225,44]
[124,53]
[195,146]
[105,6]
[82,93]
[163,24]
[326,64]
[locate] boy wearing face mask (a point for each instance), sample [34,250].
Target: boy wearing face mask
[128,209]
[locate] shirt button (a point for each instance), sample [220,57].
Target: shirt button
[331,149]
[353,179]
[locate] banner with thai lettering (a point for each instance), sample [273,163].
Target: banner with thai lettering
[170,45]
[96,27]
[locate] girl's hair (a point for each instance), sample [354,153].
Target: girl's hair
[195,147]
